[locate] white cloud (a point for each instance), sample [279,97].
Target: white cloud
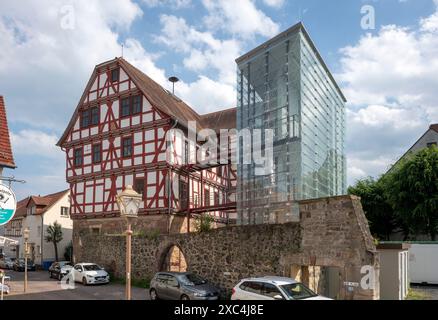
[240,18]
[274,3]
[173,4]
[390,81]
[36,143]
[203,51]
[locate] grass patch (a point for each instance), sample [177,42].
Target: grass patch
[415,294]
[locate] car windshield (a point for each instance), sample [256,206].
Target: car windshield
[298,291]
[92,267]
[192,280]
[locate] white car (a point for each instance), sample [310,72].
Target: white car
[89,273]
[273,288]
[5,288]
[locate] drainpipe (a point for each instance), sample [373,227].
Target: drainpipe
[169,188]
[42,240]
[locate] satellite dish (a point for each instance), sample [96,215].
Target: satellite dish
[173,80]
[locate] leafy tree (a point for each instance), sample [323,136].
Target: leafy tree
[412,191]
[54,235]
[378,211]
[204,223]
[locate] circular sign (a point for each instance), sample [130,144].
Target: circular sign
[8,204]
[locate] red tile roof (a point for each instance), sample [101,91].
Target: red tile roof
[43,203]
[434,127]
[6,157]
[164,101]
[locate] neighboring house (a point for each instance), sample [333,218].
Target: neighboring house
[427,140]
[37,213]
[6,156]
[117,137]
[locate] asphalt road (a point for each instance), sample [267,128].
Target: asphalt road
[41,287]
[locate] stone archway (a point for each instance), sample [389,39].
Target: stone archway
[173,259]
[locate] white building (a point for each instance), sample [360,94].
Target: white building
[37,213]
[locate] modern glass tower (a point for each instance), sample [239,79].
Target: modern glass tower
[284,85]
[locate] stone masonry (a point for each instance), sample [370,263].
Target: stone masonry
[332,232]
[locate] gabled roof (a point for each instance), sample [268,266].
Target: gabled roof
[158,97]
[434,127]
[21,208]
[6,157]
[44,203]
[224,119]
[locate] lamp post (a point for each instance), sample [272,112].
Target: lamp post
[129,202]
[26,249]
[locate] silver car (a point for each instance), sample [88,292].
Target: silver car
[181,286]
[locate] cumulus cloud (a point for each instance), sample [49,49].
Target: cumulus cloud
[36,143]
[390,82]
[203,51]
[274,3]
[173,4]
[240,18]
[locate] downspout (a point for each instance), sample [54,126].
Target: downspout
[169,188]
[42,239]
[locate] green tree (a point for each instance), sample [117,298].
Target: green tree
[378,211]
[204,223]
[412,191]
[54,235]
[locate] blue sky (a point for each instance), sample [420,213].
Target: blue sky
[388,74]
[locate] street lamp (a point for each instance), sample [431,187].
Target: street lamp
[129,203]
[26,251]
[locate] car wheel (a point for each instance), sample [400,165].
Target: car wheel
[184,297]
[153,294]
[84,281]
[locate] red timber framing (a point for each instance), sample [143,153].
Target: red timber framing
[106,153]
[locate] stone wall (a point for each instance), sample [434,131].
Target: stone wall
[332,232]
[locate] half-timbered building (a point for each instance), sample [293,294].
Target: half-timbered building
[119,136]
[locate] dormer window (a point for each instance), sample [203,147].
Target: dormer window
[115,75]
[31,210]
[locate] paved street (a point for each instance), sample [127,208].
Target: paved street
[41,287]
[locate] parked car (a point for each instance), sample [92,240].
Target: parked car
[19,265]
[5,288]
[89,273]
[7,263]
[273,288]
[60,269]
[181,286]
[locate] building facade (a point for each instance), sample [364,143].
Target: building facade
[6,156]
[285,86]
[128,130]
[38,213]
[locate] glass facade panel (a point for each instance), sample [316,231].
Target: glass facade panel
[285,87]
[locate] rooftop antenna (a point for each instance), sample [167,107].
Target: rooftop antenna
[173,80]
[122,50]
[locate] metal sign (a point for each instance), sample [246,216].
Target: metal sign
[8,204]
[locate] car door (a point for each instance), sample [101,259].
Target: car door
[161,286]
[253,291]
[78,273]
[270,291]
[173,288]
